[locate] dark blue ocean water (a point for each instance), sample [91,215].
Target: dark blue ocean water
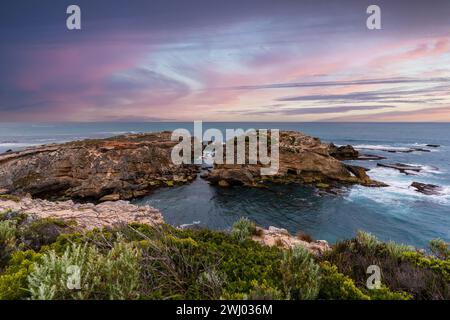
[394,213]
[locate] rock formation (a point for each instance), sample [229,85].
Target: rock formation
[403,168]
[122,167]
[303,159]
[343,152]
[87,216]
[280,237]
[428,189]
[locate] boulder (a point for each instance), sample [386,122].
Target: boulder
[343,152]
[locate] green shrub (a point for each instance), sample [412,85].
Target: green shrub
[7,241]
[385,294]
[422,277]
[114,275]
[9,197]
[243,229]
[367,240]
[337,286]
[440,249]
[41,232]
[7,230]
[396,250]
[13,282]
[301,276]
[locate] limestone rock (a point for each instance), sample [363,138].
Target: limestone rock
[87,216]
[121,167]
[280,237]
[302,159]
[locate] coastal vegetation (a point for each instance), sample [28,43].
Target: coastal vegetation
[140,261]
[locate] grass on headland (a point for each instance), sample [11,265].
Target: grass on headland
[141,262]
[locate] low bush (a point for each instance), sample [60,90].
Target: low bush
[300,274]
[139,261]
[337,286]
[243,229]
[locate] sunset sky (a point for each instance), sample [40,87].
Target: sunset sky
[246,60]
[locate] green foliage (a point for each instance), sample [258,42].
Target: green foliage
[367,240]
[402,270]
[441,267]
[337,286]
[13,282]
[114,275]
[41,232]
[7,241]
[139,261]
[175,264]
[301,276]
[440,248]
[397,250]
[385,294]
[7,230]
[9,197]
[243,229]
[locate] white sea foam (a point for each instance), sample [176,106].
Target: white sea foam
[399,192]
[187,225]
[380,147]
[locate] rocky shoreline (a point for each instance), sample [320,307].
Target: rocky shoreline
[95,176]
[117,168]
[132,166]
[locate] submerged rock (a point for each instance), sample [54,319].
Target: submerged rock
[86,216]
[121,167]
[428,189]
[302,159]
[403,168]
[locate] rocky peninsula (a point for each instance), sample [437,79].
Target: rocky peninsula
[121,167]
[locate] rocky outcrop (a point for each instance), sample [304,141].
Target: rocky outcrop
[86,216]
[343,152]
[403,168]
[302,159]
[281,238]
[428,189]
[122,167]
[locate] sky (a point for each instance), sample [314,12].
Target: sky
[246,60]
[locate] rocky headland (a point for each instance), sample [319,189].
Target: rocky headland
[117,168]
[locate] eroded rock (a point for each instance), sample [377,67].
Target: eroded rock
[282,238]
[428,189]
[121,167]
[302,159]
[87,216]
[403,168]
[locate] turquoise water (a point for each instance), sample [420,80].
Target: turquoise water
[394,213]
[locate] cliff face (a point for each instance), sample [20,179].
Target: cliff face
[303,159]
[111,169]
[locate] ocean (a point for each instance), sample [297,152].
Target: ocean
[397,212]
